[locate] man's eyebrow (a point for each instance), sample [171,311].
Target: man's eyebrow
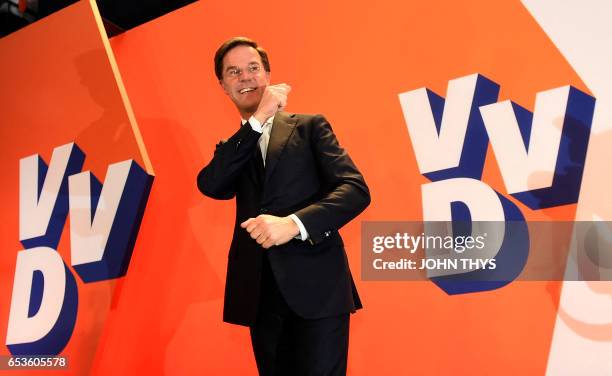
[236,67]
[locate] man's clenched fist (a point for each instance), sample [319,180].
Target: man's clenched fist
[273,99]
[269,230]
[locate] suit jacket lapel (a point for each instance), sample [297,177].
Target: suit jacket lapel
[282,128]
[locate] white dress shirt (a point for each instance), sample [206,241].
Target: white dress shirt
[265,129]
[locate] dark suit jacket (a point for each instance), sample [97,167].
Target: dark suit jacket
[306,173]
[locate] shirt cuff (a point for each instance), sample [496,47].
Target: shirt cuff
[303,233]
[256,125]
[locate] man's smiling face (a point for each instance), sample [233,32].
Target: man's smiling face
[244,78]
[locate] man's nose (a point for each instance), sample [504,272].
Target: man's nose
[244,76]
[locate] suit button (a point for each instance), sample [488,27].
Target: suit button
[263,210]
[327,233]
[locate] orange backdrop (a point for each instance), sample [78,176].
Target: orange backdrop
[343,59]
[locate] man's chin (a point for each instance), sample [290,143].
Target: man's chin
[250,108]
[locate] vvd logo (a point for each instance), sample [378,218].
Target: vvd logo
[541,157]
[104,223]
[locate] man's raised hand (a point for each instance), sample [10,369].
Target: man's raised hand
[274,99]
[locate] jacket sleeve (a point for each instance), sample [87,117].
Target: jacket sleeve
[347,194]
[218,178]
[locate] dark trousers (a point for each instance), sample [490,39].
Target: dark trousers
[286,344]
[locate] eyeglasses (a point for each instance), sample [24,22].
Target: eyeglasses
[235,72]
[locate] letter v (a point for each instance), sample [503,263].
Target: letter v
[105,219]
[440,129]
[43,196]
[541,155]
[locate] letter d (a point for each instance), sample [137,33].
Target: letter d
[474,207]
[43,305]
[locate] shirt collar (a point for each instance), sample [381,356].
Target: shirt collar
[269,121]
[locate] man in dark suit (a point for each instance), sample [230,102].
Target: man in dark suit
[288,277]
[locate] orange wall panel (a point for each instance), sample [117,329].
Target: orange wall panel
[346,60]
